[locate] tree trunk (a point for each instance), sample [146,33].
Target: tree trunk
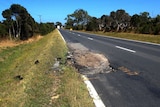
[10,36]
[13,31]
[17,32]
[118,26]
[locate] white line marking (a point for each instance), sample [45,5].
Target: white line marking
[90,38]
[79,35]
[129,50]
[61,36]
[123,39]
[96,99]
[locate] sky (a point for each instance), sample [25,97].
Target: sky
[57,10]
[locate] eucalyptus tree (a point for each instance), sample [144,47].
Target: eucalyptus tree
[79,19]
[3,31]
[93,24]
[135,21]
[20,21]
[116,21]
[145,23]
[7,14]
[70,22]
[58,23]
[157,25]
[120,20]
[105,23]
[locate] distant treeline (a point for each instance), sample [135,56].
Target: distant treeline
[20,25]
[117,21]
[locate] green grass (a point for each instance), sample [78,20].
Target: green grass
[37,87]
[132,36]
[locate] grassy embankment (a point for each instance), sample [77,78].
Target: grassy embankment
[132,36]
[26,84]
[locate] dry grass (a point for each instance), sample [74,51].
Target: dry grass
[11,43]
[132,36]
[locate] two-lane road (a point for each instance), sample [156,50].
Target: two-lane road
[118,89]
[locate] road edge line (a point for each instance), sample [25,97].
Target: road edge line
[138,41]
[61,36]
[93,93]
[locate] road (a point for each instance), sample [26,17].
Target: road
[119,89]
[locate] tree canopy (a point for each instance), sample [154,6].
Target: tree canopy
[78,19]
[116,21]
[20,25]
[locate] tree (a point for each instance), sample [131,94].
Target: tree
[120,20]
[20,23]
[144,18]
[70,22]
[144,23]
[157,25]
[92,25]
[3,31]
[116,21]
[7,14]
[105,23]
[58,24]
[45,28]
[135,21]
[78,19]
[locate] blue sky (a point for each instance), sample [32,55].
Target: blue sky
[57,10]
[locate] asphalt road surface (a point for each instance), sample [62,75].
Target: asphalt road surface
[120,89]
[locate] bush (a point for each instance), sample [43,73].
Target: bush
[46,28]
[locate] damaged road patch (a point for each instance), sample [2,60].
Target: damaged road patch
[127,71]
[88,62]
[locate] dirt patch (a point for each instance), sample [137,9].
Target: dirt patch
[88,62]
[34,38]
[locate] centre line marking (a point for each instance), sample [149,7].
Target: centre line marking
[129,50]
[79,35]
[90,38]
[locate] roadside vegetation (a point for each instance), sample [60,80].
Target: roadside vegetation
[27,80]
[116,21]
[132,36]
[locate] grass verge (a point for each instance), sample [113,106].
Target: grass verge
[132,36]
[72,92]
[25,81]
